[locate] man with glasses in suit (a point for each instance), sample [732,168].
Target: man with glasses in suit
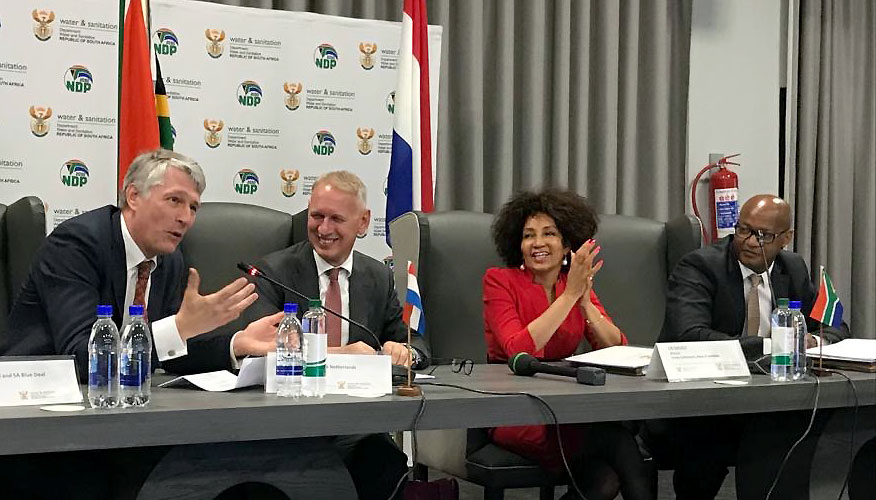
[727,291]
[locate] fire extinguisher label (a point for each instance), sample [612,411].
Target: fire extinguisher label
[726,210]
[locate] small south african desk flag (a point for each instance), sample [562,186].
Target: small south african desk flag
[827,309]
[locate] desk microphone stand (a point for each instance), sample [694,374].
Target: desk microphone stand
[409,389]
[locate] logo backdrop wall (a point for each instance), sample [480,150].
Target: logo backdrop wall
[265,100]
[59,88]
[268,100]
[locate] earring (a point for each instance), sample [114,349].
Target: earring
[522,268]
[565,261]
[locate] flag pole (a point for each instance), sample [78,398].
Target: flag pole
[820,371]
[409,389]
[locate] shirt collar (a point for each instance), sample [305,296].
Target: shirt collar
[746,272]
[322,266]
[133,255]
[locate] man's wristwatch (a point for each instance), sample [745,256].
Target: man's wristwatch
[416,355]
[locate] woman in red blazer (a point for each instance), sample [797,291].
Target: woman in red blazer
[543,304]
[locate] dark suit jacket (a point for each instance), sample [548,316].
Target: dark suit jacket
[373,299]
[705,298]
[82,264]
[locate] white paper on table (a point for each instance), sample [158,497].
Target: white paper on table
[847,350]
[619,356]
[252,372]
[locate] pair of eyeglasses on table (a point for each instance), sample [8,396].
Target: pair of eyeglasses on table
[457,365]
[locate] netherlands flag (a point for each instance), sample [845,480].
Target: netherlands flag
[413,313]
[409,186]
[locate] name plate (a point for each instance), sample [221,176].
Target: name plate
[358,374]
[38,381]
[681,361]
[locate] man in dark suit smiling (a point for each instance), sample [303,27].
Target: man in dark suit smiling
[356,286]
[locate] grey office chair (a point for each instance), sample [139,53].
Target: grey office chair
[22,231]
[227,233]
[452,250]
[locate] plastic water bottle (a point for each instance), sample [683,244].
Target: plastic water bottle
[782,335]
[799,323]
[135,369]
[315,350]
[103,360]
[290,363]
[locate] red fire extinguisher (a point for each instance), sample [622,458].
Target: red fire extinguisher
[723,198]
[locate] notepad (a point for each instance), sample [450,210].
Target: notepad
[623,359]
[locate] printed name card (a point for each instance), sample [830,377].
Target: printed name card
[38,381]
[358,374]
[682,361]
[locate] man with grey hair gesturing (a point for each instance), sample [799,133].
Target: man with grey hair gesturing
[128,255]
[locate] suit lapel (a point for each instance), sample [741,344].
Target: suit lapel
[118,271]
[360,288]
[155,303]
[736,291]
[303,273]
[780,280]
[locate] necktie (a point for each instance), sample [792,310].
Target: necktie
[753,306]
[333,302]
[143,270]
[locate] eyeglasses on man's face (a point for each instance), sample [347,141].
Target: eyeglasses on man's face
[745,232]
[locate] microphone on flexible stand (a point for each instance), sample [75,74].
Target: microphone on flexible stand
[528,365]
[759,235]
[258,273]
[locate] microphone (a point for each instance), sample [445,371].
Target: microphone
[527,365]
[258,273]
[759,235]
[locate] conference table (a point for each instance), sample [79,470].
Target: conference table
[180,416]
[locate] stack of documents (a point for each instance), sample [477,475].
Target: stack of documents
[622,359]
[849,354]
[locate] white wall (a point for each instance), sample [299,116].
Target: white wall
[733,102]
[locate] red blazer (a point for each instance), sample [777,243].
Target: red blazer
[512,300]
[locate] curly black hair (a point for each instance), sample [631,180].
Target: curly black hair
[575,219]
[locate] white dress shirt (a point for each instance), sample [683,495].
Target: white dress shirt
[764,298]
[322,267]
[165,335]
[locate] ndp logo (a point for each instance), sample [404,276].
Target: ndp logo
[74,173]
[249,94]
[78,79]
[325,56]
[246,182]
[323,143]
[165,42]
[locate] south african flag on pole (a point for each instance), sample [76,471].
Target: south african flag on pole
[827,309]
[165,130]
